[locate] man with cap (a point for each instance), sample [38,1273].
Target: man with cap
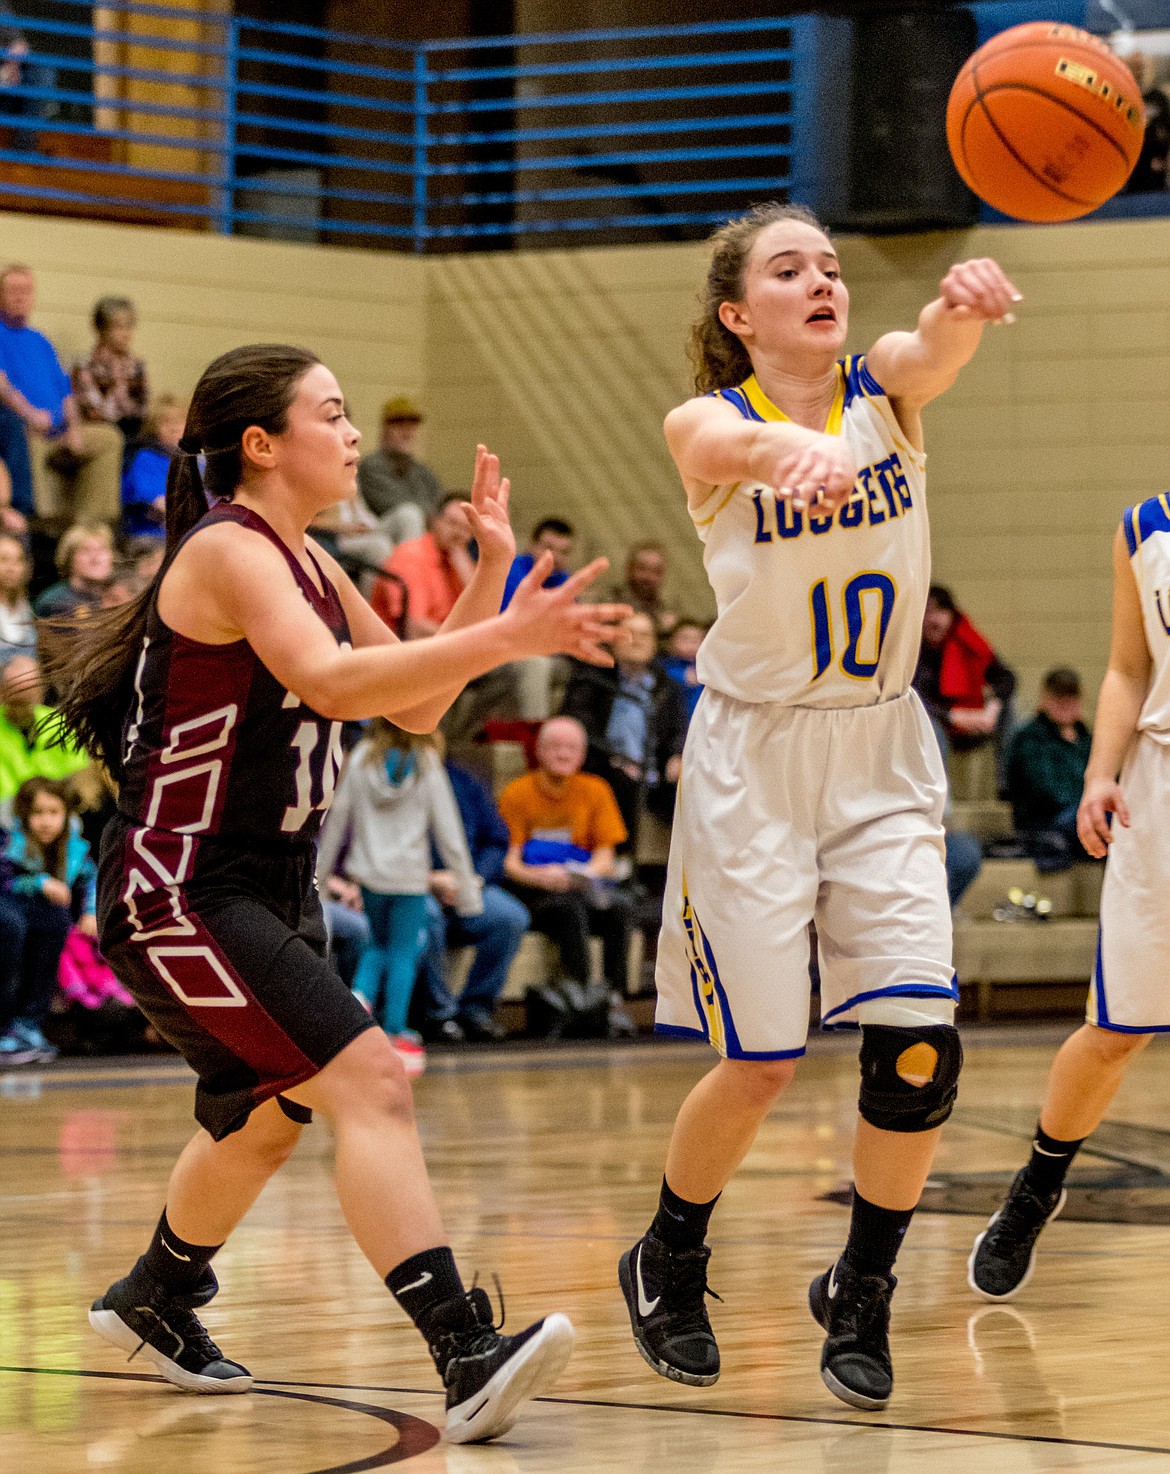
[399,490]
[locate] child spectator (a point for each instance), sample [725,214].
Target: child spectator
[682,651]
[144,479]
[85,562]
[18,635]
[110,386]
[392,799]
[49,874]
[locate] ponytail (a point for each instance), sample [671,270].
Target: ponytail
[92,661]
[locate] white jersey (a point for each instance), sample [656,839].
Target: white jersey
[821,609]
[1147,534]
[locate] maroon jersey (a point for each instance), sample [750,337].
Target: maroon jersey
[214,746]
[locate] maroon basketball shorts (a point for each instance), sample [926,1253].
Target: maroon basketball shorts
[228,962]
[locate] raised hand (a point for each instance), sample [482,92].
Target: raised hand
[819,473]
[1102,797]
[487,511]
[980,291]
[550,621]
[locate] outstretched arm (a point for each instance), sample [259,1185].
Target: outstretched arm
[1119,705]
[713,445]
[914,368]
[229,584]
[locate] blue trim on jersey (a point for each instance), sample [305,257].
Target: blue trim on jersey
[1129,1029]
[1151,517]
[677,1031]
[739,400]
[859,382]
[896,990]
[1103,1020]
[1127,527]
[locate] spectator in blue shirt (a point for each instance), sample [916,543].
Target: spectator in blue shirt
[495,933]
[144,481]
[550,536]
[682,649]
[76,467]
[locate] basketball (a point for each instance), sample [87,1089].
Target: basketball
[1044,122]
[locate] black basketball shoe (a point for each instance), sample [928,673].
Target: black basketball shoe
[141,1316]
[855,1311]
[487,1375]
[1004,1257]
[664,1290]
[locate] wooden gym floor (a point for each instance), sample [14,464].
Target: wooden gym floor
[547,1165]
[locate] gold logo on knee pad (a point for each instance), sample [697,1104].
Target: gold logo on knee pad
[917,1064]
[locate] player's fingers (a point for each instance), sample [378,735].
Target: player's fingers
[994,294]
[535,576]
[583,577]
[503,491]
[1121,809]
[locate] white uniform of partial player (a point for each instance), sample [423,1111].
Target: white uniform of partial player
[812,787]
[1130,992]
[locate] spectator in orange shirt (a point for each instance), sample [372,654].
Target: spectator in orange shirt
[435,568]
[564,827]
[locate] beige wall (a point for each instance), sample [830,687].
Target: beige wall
[198,295]
[566,361]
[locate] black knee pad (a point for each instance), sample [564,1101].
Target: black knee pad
[909,1077]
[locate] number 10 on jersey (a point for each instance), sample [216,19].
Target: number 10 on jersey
[867,603]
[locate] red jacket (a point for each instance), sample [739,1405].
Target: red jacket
[965,658]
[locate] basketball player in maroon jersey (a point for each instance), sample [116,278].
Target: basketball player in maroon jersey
[216,700]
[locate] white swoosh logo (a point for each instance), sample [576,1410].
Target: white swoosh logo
[645,1307]
[186,1258]
[424,1279]
[833,1285]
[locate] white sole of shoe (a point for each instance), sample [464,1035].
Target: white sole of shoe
[847,1394]
[112,1328]
[1028,1273]
[538,1363]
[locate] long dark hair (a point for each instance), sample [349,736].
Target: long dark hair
[91,662]
[53,854]
[718,358]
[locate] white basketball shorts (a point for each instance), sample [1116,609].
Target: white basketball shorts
[788,815]
[1130,991]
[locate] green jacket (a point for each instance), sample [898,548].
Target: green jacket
[29,755]
[1045,774]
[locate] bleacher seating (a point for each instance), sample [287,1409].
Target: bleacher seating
[992,954]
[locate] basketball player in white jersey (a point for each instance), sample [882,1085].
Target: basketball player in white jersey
[1128,777]
[812,786]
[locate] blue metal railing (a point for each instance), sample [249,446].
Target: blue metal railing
[242,125]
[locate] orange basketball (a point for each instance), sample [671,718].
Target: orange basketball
[1044,122]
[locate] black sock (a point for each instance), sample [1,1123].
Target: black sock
[679,1224]
[424,1282]
[1049,1162]
[172,1262]
[875,1236]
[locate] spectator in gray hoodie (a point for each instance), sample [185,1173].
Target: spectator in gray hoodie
[393,799]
